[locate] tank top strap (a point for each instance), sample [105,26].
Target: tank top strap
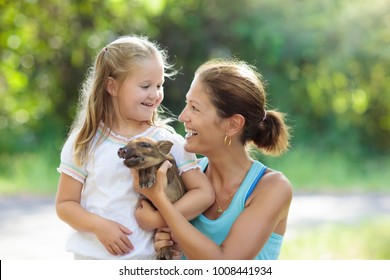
[257,171]
[203,162]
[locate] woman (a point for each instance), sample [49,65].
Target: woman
[225,112]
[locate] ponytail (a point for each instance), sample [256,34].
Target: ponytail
[273,135]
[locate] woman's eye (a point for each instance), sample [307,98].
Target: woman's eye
[145,87]
[194,108]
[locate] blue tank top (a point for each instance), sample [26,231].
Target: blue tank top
[218,229]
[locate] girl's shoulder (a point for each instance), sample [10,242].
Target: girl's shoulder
[165,133]
[70,140]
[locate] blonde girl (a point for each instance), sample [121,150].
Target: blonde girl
[95,197]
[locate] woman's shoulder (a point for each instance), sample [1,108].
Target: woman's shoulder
[276,176]
[273,191]
[276,183]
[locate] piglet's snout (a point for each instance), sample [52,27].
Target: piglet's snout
[122,152]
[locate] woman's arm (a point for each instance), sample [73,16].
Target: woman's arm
[198,197]
[112,235]
[267,208]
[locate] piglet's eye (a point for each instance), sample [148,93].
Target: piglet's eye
[145,145]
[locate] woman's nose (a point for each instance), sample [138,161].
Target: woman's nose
[183,115]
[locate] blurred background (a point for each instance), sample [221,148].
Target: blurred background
[326,62]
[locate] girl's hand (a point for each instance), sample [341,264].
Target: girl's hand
[144,210]
[114,237]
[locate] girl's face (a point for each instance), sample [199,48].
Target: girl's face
[203,127]
[140,93]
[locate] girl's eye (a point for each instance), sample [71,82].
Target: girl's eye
[145,87]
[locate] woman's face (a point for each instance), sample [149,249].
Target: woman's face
[141,92]
[204,129]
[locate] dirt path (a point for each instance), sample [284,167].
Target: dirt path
[30,229]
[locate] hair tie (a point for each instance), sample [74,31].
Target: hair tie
[265,115]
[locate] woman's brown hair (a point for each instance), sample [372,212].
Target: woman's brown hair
[235,87]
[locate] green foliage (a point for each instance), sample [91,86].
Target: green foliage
[327,62]
[314,169]
[30,172]
[309,170]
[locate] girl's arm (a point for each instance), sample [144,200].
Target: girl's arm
[268,207]
[196,200]
[112,235]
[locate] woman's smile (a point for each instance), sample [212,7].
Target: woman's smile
[190,133]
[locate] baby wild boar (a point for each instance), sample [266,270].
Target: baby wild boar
[146,155]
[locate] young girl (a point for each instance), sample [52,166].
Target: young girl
[95,195]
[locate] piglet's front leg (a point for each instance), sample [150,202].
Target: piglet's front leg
[147,177]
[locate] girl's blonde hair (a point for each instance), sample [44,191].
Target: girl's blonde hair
[117,60]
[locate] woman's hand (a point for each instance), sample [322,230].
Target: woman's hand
[157,191]
[163,238]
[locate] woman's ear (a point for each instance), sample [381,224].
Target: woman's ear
[235,124]
[112,86]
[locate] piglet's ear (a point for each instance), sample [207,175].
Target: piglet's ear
[165,147]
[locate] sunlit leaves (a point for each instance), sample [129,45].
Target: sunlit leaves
[327,62]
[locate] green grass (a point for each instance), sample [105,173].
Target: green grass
[318,171]
[369,240]
[308,170]
[29,173]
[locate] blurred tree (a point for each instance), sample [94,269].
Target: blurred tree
[341,88]
[46,48]
[327,62]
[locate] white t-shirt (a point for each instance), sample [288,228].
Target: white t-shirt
[108,191]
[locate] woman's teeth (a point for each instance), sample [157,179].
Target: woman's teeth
[190,133]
